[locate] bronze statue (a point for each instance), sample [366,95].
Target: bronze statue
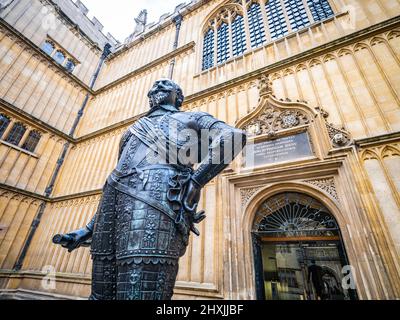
[149,203]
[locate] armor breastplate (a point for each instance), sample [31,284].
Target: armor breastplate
[129,228]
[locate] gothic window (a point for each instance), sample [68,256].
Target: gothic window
[238,36]
[48,47]
[16,134]
[256,25]
[32,141]
[59,57]
[276,19]
[70,65]
[230,32]
[222,43]
[208,50]
[297,14]
[4,122]
[320,9]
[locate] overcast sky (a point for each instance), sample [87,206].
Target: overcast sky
[117,16]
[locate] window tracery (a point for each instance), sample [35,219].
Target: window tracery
[240,25]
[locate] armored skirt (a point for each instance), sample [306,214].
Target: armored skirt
[140,233]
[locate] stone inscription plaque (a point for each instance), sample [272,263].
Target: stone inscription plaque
[280,150]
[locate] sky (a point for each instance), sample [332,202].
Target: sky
[117,16]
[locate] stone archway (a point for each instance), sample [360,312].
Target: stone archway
[331,223]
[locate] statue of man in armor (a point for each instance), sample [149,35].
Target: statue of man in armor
[149,203]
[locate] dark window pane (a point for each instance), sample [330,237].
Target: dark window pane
[32,141]
[297,14]
[320,9]
[276,20]
[256,25]
[48,47]
[238,36]
[208,50]
[222,43]
[70,65]
[59,57]
[16,134]
[4,122]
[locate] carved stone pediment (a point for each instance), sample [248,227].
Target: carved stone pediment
[273,115]
[339,137]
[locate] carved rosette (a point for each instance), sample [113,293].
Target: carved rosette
[273,119]
[290,119]
[327,185]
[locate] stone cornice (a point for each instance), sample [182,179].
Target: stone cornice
[79,195]
[33,121]
[23,192]
[108,129]
[167,57]
[306,55]
[377,140]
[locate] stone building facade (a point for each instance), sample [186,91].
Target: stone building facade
[316,84]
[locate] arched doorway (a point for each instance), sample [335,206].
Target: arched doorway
[298,250]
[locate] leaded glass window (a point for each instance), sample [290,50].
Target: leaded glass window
[238,36]
[48,47]
[256,25]
[276,19]
[70,65]
[222,43]
[320,9]
[32,141]
[297,14]
[59,57]
[230,39]
[16,134]
[208,50]
[4,122]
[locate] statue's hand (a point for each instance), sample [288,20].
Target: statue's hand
[192,196]
[73,240]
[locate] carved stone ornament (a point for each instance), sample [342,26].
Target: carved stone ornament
[339,137]
[327,185]
[275,115]
[247,193]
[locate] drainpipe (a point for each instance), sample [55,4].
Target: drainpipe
[178,23]
[49,190]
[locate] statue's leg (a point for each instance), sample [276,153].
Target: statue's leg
[146,281]
[104,275]
[104,269]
